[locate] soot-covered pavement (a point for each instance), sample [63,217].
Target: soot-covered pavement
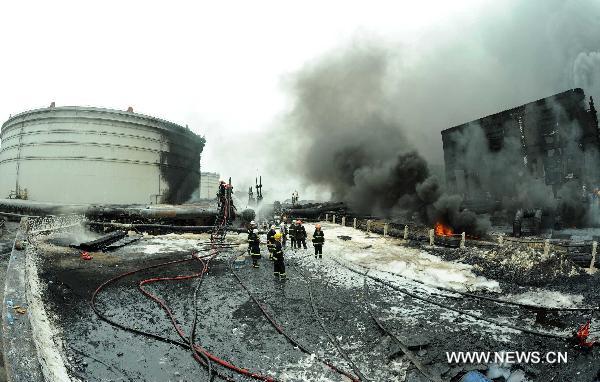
[232,327]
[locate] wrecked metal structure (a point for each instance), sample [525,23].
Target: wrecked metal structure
[549,147]
[78,154]
[314,211]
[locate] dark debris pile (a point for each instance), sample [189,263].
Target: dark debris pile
[515,264]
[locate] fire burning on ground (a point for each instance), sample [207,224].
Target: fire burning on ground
[443,230]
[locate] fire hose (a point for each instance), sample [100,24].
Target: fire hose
[448,307]
[281,331]
[200,354]
[407,352]
[488,298]
[332,338]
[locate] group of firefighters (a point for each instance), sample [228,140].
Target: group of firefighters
[277,241]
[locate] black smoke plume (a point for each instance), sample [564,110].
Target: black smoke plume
[366,119]
[351,144]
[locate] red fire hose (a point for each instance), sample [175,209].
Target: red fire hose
[196,349]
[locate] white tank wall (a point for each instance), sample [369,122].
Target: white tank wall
[209,185]
[83,155]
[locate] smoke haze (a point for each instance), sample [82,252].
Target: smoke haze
[366,118]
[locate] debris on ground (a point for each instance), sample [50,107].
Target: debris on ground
[516,264]
[100,243]
[19,309]
[86,256]
[583,334]
[430,330]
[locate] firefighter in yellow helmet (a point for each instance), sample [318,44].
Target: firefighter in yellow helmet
[278,265]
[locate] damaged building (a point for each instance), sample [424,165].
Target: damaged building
[535,157]
[93,155]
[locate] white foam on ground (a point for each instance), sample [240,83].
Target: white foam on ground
[46,335]
[173,242]
[384,255]
[388,254]
[151,245]
[410,313]
[546,298]
[304,370]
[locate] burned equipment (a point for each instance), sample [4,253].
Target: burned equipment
[543,155]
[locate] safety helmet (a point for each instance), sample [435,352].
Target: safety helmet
[255,230]
[273,226]
[252,222]
[277,236]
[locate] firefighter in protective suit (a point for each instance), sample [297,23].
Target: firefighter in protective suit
[271,241]
[300,234]
[251,228]
[278,265]
[292,233]
[254,247]
[284,232]
[318,241]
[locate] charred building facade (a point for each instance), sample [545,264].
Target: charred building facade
[538,148]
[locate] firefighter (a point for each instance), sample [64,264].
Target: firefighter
[222,194]
[222,190]
[292,233]
[252,227]
[318,241]
[254,247]
[225,202]
[278,265]
[284,231]
[271,241]
[300,235]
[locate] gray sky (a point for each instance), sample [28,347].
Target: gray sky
[221,67]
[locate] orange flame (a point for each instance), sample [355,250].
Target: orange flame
[443,230]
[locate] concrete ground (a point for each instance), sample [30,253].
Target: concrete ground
[231,325]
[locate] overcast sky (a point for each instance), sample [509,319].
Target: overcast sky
[217,66]
[220,67]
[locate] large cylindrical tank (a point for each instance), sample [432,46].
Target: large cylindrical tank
[93,155]
[209,185]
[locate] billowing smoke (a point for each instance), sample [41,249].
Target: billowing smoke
[350,141]
[367,118]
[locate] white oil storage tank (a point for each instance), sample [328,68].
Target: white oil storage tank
[209,185]
[73,155]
